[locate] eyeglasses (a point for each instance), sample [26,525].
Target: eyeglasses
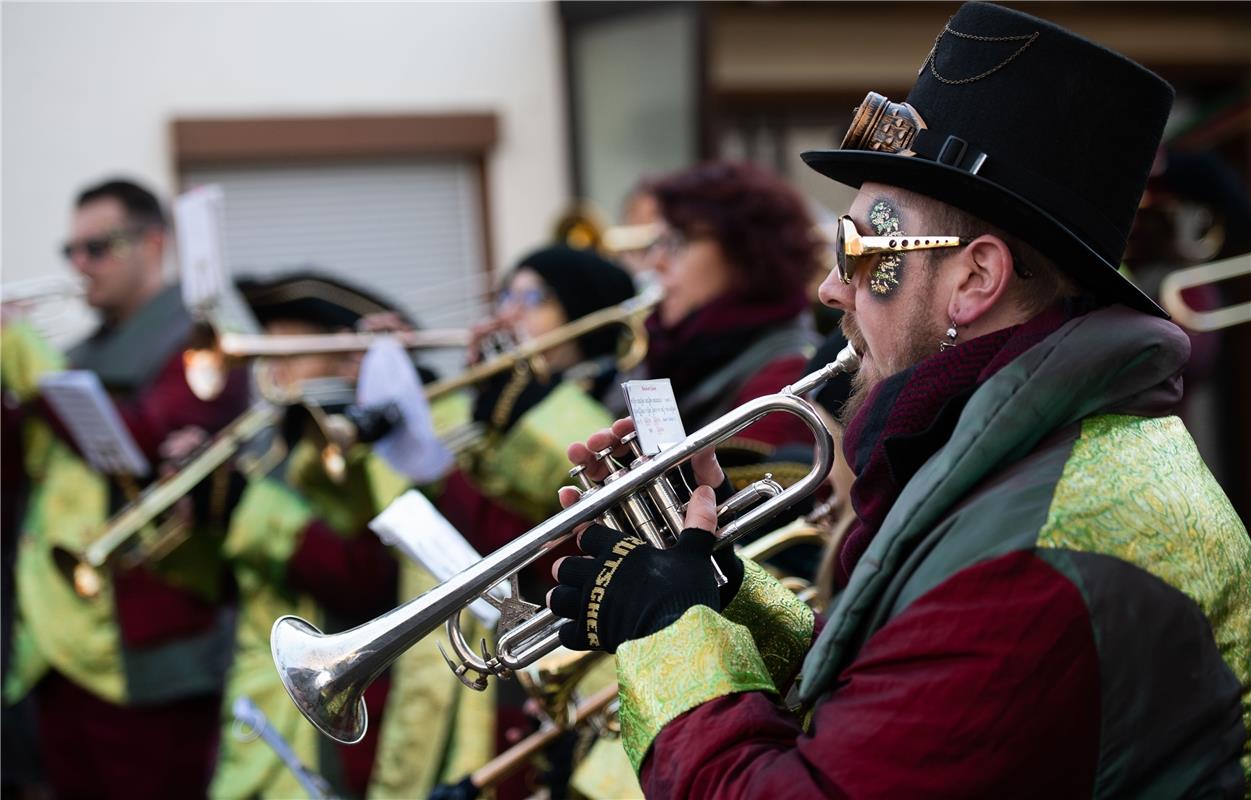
[100,246]
[849,245]
[526,298]
[669,242]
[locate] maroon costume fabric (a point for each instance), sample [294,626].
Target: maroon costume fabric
[902,718]
[90,746]
[910,717]
[150,611]
[95,750]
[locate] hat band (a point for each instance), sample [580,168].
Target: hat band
[897,128]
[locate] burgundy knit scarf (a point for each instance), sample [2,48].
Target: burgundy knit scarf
[911,414]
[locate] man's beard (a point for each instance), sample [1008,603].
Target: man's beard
[919,342]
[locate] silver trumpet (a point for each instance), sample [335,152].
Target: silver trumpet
[326,676]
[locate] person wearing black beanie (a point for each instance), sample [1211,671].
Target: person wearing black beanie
[508,484]
[549,288]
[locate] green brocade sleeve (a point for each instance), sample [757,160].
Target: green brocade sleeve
[25,357]
[265,528]
[699,658]
[528,464]
[780,623]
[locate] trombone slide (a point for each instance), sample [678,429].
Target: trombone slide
[160,496]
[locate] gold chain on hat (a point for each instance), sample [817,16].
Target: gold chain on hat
[929,59]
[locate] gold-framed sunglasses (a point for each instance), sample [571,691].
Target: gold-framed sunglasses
[849,245]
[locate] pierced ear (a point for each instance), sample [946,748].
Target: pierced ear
[988,270]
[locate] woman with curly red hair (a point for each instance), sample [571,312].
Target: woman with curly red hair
[735,260]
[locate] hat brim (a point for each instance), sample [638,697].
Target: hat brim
[991,202]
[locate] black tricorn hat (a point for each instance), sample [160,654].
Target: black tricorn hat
[1027,126]
[311,296]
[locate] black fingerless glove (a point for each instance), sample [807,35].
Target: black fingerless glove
[625,589]
[465,790]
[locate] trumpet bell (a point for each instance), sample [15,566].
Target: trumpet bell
[314,677]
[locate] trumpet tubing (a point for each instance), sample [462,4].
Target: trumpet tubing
[326,675]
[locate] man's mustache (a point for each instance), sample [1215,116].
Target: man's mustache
[851,331]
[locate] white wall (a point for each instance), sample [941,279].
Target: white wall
[89,90]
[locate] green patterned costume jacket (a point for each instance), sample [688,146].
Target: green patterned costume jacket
[1058,603]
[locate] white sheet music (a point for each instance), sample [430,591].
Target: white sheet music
[388,376]
[416,527]
[79,400]
[655,412]
[199,216]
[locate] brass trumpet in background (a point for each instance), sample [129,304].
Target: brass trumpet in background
[327,675]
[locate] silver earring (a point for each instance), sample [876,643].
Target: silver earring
[951,338]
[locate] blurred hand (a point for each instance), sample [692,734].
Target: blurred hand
[484,334]
[180,444]
[708,471]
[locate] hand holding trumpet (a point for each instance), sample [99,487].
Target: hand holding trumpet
[625,588]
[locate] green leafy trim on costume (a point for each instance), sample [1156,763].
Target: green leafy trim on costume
[780,623]
[265,528]
[1168,516]
[699,658]
[25,357]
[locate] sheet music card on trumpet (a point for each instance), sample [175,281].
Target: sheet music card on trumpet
[655,412]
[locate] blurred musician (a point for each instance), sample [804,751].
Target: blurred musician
[505,487]
[298,544]
[127,685]
[734,262]
[1045,593]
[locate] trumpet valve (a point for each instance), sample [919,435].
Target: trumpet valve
[606,457]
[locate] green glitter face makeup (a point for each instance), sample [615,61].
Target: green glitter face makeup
[884,278]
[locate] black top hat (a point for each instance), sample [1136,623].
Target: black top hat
[1040,132]
[310,296]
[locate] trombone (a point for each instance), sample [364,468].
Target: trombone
[82,569]
[326,675]
[629,314]
[206,363]
[40,290]
[583,227]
